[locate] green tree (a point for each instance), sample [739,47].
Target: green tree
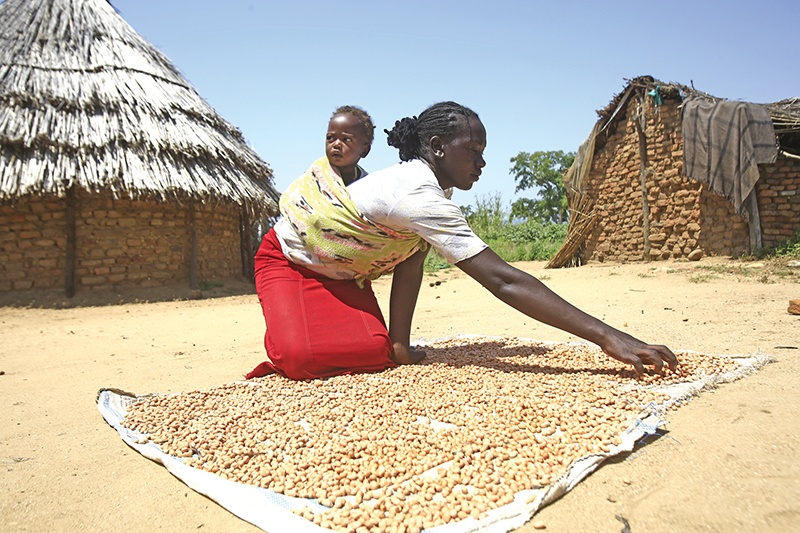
[543,171]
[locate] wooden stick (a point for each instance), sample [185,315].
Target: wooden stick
[71,247]
[640,125]
[787,154]
[194,247]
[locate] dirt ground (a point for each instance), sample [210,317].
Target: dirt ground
[727,462]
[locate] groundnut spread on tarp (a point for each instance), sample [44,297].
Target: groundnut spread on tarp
[481,420]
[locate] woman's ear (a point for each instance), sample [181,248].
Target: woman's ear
[436,146]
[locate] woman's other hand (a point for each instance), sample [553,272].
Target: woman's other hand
[406,355]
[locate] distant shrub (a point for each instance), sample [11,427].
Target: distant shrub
[529,240]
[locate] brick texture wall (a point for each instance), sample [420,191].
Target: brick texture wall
[686,219]
[121,244]
[779,200]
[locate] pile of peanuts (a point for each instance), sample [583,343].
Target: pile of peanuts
[417,446]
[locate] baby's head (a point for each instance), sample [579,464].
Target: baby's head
[349,138]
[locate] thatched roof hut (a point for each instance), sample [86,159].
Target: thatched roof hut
[96,122]
[670,172]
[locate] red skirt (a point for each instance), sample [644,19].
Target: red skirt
[316,326]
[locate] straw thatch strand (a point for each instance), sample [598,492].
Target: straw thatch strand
[86,101]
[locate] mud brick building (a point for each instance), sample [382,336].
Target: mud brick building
[114,173]
[633,196]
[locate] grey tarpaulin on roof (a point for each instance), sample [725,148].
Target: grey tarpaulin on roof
[723,144]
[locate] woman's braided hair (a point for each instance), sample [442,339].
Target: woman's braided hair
[410,135]
[362,116]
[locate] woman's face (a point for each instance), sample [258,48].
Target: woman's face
[459,161]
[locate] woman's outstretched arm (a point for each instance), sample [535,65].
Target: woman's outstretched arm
[530,296]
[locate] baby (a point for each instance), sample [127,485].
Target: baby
[349,138]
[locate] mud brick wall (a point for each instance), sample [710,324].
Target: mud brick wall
[121,243]
[687,221]
[219,242]
[778,191]
[32,244]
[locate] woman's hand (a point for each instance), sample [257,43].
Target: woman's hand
[632,351]
[405,355]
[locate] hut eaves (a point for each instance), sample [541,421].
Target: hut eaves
[785,114]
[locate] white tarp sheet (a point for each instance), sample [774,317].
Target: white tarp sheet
[272,511]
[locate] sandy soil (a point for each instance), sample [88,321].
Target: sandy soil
[728,461]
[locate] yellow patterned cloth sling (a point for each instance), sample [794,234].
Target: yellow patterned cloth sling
[320,209]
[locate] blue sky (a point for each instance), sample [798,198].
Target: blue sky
[535,71]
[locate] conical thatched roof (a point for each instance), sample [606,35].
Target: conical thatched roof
[86,101]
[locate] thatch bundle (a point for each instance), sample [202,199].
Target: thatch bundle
[582,219]
[86,102]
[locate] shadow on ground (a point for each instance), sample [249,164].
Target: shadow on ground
[57,299]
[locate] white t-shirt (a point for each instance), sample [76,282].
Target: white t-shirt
[405,196]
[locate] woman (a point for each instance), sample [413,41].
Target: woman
[313,270]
